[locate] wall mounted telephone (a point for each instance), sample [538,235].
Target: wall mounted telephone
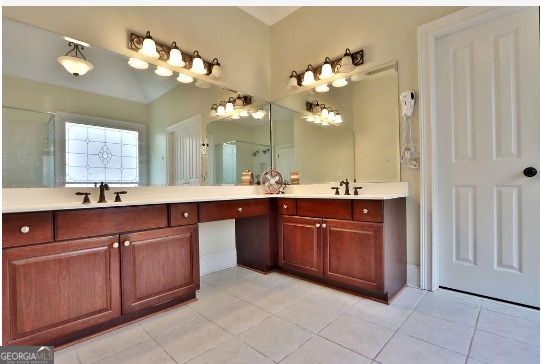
[408,155]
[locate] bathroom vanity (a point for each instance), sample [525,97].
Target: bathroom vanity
[71,271]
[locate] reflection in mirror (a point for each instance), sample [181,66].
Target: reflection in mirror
[363,147]
[112,93]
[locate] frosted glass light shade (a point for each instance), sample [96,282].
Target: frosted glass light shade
[162,71]
[229,107]
[346,64]
[175,57]
[338,118]
[220,110]
[75,66]
[182,78]
[308,78]
[326,69]
[324,112]
[138,63]
[198,67]
[216,71]
[149,47]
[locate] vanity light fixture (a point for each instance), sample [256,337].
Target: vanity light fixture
[328,70]
[74,61]
[182,78]
[162,71]
[213,109]
[259,114]
[216,71]
[322,88]
[175,56]
[138,64]
[308,77]
[220,110]
[321,114]
[233,106]
[198,67]
[229,105]
[148,47]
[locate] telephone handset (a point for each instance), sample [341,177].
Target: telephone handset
[407,100]
[407,152]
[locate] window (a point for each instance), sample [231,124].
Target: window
[98,150]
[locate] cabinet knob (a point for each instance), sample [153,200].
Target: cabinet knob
[25,229]
[115,245]
[285,206]
[323,226]
[127,243]
[185,214]
[239,209]
[318,225]
[365,211]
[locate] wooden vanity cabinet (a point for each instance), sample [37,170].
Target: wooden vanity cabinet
[358,245]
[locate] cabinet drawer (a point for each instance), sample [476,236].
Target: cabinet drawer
[286,206]
[223,210]
[183,214]
[113,220]
[326,208]
[368,210]
[26,228]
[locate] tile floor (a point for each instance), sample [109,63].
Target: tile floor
[246,317]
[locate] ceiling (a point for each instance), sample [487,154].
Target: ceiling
[269,14]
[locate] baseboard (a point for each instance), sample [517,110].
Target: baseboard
[217,261]
[414,275]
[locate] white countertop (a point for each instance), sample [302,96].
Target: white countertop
[46,199]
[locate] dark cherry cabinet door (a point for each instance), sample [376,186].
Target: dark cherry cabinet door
[299,245]
[55,289]
[353,253]
[158,266]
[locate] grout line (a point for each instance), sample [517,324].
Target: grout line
[474,331]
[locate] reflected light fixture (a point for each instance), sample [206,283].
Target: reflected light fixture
[340,82]
[292,83]
[337,118]
[162,71]
[220,110]
[308,78]
[235,116]
[175,56]
[216,72]
[182,78]
[322,88]
[213,109]
[244,113]
[321,114]
[326,69]
[259,113]
[346,64]
[138,64]
[75,64]
[149,47]
[198,67]
[229,105]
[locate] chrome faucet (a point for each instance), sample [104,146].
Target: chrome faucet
[103,187]
[346,183]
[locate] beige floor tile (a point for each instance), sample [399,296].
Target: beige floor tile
[333,298]
[511,327]
[512,310]
[310,315]
[66,356]
[297,287]
[275,337]
[226,276]
[192,339]
[434,330]
[494,349]
[272,300]
[318,350]
[448,310]
[244,288]
[238,316]
[457,297]
[403,349]
[408,298]
[212,301]
[269,280]
[358,335]
[168,320]
[231,351]
[148,352]
[110,343]
[384,315]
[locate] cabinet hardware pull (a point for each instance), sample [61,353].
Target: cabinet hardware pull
[285,206]
[240,209]
[185,214]
[318,225]
[115,245]
[365,211]
[323,226]
[127,243]
[25,229]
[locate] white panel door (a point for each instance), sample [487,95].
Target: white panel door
[487,225]
[185,152]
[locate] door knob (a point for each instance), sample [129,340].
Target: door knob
[530,171]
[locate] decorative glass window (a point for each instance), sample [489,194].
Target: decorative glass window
[99,150]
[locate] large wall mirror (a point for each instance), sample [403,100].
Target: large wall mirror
[124,112]
[363,147]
